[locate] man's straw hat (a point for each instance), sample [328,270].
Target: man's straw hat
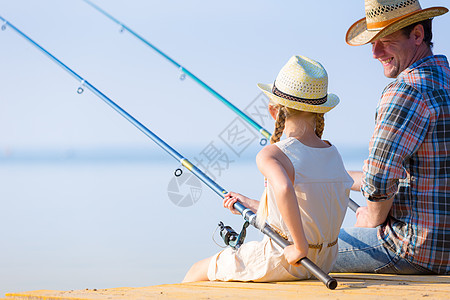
[384,17]
[301,84]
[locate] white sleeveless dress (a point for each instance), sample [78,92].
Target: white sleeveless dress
[322,186]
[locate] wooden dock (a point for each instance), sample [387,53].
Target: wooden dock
[351,286]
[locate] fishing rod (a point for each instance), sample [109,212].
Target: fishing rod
[185,71]
[352,204]
[249,216]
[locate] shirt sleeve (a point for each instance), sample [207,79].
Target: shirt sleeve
[402,120]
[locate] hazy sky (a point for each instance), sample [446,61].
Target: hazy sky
[109,209]
[231,45]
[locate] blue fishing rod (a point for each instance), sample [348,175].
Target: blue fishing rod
[185,71]
[249,215]
[352,204]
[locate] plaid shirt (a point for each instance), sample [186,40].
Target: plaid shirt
[410,160]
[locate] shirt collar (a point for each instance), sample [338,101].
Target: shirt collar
[426,61]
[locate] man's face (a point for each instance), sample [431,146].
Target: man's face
[396,52]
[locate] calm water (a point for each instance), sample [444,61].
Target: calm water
[77,224]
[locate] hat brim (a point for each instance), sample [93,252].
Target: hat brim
[332,101]
[358,34]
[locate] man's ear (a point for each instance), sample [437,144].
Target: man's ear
[418,34]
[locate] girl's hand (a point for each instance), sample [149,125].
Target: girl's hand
[293,255]
[232,197]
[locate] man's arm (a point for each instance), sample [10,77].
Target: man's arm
[376,212]
[357,180]
[402,121]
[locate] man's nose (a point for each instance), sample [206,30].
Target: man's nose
[377,49]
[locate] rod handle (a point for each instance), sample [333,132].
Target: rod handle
[353,205]
[329,281]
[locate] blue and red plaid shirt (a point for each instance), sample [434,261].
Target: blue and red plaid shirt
[410,160]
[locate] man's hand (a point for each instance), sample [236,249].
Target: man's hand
[363,217]
[374,214]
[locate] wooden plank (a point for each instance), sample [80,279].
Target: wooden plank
[392,277]
[351,286]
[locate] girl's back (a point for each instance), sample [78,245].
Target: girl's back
[322,187]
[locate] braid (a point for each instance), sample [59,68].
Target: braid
[320,124]
[279,125]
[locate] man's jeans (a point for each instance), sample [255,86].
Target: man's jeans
[361,252]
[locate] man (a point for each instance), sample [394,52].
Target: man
[405,227]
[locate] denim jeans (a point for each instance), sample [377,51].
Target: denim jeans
[360,251]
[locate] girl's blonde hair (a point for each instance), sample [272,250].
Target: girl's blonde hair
[283,113]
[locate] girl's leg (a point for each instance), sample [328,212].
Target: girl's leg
[198,272]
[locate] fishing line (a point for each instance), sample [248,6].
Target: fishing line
[352,204]
[247,214]
[184,72]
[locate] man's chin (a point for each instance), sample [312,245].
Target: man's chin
[391,73]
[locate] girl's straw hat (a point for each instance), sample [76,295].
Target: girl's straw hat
[384,17]
[301,84]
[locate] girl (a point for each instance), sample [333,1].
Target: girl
[307,187]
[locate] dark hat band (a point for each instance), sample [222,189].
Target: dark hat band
[279,93]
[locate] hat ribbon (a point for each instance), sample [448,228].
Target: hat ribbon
[382,24]
[281,94]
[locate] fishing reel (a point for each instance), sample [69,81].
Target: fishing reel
[232,238]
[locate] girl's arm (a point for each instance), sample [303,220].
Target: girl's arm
[278,170]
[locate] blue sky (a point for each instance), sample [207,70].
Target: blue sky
[230,45]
